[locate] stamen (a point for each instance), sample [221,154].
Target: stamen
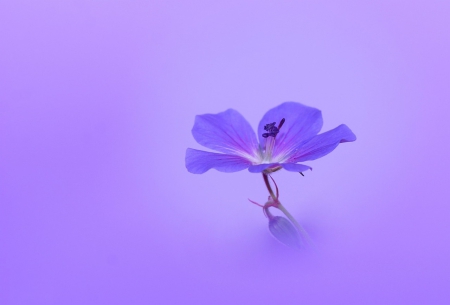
[272,131]
[281,124]
[268,127]
[270,135]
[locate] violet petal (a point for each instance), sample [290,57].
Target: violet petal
[227,132]
[301,124]
[323,144]
[198,162]
[261,167]
[292,167]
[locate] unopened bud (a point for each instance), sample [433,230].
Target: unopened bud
[283,230]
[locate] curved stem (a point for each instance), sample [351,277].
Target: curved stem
[269,188]
[276,186]
[277,204]
[267,212]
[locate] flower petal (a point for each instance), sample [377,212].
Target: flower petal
[198,162]
[323,144]
[292,167]
[301,124]
[261,167]
[227,132]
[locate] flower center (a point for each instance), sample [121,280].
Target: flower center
[272,131]
[270,135]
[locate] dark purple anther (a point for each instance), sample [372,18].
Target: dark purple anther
[268,127]
[281,123]
[272,131]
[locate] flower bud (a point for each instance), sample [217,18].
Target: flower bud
[283,230]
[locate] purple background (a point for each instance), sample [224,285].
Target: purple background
[97,101]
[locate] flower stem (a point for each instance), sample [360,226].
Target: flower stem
[269,188]
[277,204]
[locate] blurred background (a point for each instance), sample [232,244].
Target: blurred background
[97,101]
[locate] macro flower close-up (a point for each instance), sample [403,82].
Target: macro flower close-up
[287,134]
[224,152]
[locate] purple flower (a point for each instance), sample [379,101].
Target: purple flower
[287,134]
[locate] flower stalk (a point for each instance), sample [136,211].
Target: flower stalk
[275,202]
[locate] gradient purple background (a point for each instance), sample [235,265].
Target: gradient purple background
[97,101]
